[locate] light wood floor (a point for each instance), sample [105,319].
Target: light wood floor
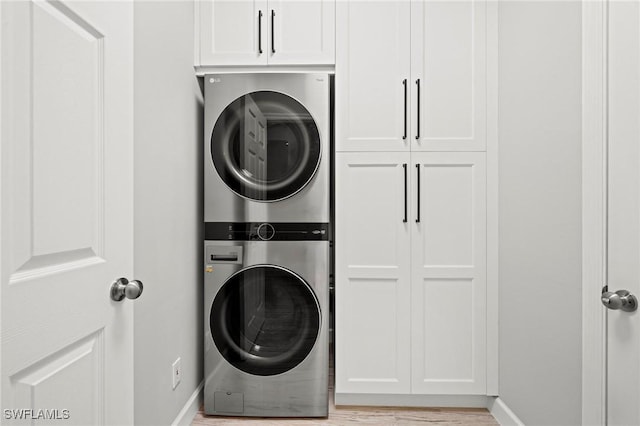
[364,415]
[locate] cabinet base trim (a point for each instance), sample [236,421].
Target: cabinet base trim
[495,405]
[233,69]
[401,400]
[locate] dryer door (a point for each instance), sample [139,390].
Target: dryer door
[265,146]
[265,320]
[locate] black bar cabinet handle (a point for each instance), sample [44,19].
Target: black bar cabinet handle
[404,166]
[404,83]
[273,18]
[418,109]
[260,32]
[418,170]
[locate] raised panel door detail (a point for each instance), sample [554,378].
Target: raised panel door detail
[59,125]
[303,33]
[67,116]
[233,32]
[372,274]
[372,62]
[448,287]
[449,60]
[77,369]
[448,330]
[373,356]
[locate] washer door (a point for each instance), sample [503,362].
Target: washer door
[265,146]
[265,320]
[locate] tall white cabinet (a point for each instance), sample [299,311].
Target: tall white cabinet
[373,272]
[448,274]
[411,198]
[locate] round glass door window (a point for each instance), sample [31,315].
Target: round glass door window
[265,320]
[265,146]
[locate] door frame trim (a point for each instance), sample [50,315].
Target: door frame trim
[594,181]
[2,194]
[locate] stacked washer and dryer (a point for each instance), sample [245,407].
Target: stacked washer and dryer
[267,255]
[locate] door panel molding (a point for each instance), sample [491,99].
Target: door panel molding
[29,385]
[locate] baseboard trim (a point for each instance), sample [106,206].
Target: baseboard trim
[190,409]
[402,400]
[503,413]
[496,406]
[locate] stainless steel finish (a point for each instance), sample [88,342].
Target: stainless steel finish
[299,392]
[309,204]
[621,299]
[122,288]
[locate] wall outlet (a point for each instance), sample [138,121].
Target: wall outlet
[176,373]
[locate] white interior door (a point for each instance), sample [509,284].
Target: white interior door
[66,219]
[623,329]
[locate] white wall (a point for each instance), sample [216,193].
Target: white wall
[168,232]
[540,210]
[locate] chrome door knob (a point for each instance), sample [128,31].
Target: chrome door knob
[124,288]
[621,299]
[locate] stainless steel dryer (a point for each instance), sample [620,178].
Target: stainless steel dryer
[266,148]
[266,319]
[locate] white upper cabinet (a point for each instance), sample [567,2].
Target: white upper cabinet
[260,32]
[372,76]
[303,32]
[449,75]
[438,48]
[233,32]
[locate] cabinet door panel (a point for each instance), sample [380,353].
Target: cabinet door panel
[229,32]
[372,61]
[303,33]
[448,290]
[447,329]
[449,58]
[372,274]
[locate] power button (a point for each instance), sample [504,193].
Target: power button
[266,231]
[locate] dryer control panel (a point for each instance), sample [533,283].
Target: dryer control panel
[265,231]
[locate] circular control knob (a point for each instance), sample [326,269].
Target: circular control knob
[266,231]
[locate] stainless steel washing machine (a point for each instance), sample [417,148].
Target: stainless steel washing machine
[266,348]
[267,147]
